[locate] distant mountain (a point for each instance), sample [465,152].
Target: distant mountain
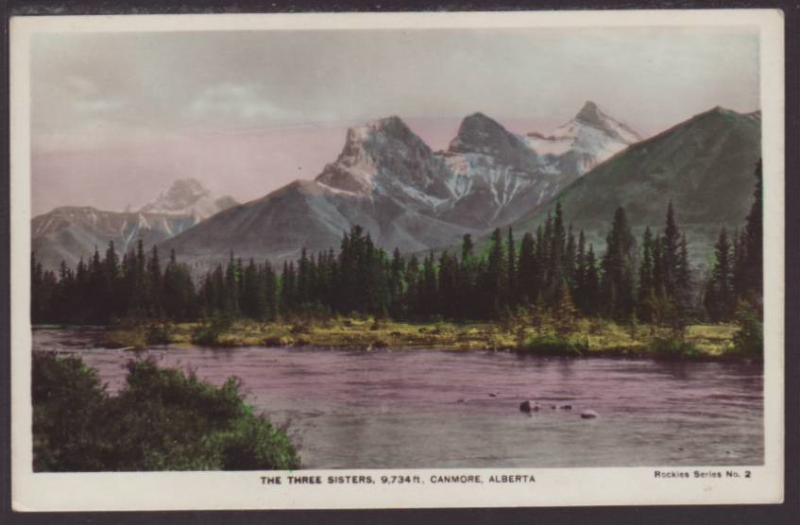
[579,145]
[705,166]
[190,198]
[70,233]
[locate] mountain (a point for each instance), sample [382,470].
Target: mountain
[70,233]
[407,196]
[579,145]
[493,175]
[386,179]
[190,198]
[705,166]
[390,182]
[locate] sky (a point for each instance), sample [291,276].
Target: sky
[115,117]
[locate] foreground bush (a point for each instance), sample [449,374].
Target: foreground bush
[162,420]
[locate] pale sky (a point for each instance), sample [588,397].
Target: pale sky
[117,116]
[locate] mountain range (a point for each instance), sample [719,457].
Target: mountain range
[70,233]
[407,196]
[404,194]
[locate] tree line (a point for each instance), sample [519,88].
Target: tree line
[553,269]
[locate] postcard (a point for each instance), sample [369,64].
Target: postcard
[321,261]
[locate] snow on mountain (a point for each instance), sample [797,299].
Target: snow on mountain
[704,166]
[386,179]
[577,146]
[385,157]
[389,181]
[188,197]
[70,233]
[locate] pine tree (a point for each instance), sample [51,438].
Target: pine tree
[684,280]
[527,269]
[752,246]
[670,252]
[496,272]
[591,288]
[448,286]
[646,294]
[618,268]
[397,285]
[153,285]
[719,298]
[511,270]
[570,255]
[288,289]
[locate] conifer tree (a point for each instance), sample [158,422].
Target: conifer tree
[511,269]
[496,273]
[527,269]
[618,268]
[646,294]
[752,247]
[591,288]
[719,298]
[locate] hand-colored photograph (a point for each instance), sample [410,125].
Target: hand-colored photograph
[396,248]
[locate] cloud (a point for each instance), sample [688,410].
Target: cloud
[167,82]
[229,102]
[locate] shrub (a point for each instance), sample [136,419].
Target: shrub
[66,396]
[673,348]
[552,345]
[159,333]
[162,419]
[749,338]
[209,332]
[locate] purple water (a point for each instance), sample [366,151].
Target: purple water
[428,408]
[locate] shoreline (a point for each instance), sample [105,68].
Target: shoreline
[589,338]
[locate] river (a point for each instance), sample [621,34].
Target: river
[433,408]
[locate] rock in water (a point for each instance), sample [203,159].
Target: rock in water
[589,414]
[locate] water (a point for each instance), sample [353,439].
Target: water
[428,408]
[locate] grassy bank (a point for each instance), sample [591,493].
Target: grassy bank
[584,337]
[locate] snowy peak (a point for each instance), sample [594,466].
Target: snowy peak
[590,138]
[479,134]
[385,157]
[190,198]
[591,115]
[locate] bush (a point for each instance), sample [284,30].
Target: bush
[749,339]
[66,396]
[162,420]
[673,348]
[159,333]
[209,332]
[552,345]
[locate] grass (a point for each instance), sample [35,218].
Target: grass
[587,337]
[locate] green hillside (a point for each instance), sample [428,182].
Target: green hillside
[705,166]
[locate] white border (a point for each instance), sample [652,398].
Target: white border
[553,487]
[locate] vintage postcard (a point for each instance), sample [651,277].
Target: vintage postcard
[319,261]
